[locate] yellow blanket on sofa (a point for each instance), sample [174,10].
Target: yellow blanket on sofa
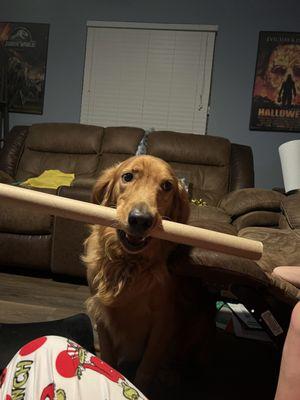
[50,179]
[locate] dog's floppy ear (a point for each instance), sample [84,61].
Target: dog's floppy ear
[181,207]
[103,188]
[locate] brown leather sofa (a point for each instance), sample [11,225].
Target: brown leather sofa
[212,165]
[220,174]
[273,219]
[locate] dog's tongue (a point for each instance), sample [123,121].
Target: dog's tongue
[134,239]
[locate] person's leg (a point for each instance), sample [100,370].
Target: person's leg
[55,368]
[288,387]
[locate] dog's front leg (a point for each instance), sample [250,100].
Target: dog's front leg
[159,339]
[106,347]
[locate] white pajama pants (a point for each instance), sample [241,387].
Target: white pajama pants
[56,368]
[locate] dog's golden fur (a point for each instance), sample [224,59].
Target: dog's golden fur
[134,299]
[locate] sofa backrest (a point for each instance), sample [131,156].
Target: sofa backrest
[211,164]
[204,161]
[81,149]
[118,144]
[63,146]
[241,167]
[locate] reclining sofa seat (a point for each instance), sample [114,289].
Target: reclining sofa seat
[212,166]
[26,237]
[281,242]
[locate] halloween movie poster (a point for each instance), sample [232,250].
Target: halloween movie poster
[276,90]
[23,52]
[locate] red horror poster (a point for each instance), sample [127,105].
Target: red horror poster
[276,89]
[23,52]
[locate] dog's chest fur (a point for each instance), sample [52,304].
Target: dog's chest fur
[130,294]
[130,325]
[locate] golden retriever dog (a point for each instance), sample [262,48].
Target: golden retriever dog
[139,307]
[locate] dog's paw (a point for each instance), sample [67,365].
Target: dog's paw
[143,382]
[169,378]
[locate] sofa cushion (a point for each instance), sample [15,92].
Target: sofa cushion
[70,148]
[210,197]
[15,220]
[65,138]
[257,218]
[245,200]
[189,148]
[209,213]
[108,160]
[28,251]
[208,182]
[122,140]
[212,218]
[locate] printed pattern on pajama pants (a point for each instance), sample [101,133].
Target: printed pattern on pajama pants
[56,368]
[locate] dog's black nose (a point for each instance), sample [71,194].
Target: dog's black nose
[139,221]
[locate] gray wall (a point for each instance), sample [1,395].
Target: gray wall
[239,23]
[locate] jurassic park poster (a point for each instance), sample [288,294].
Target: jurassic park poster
[23,57]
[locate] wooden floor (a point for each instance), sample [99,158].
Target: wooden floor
[241,369]
[31,299]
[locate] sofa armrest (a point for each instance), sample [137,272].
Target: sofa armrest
[243,201]
[214,268]
[290,207]
[13,148]
[5,178]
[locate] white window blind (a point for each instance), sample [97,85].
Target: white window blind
[144,76]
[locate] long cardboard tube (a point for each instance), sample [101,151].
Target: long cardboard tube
[97,214]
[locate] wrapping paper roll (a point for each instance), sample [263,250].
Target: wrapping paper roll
[97,214]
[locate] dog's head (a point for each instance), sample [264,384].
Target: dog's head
[144,190]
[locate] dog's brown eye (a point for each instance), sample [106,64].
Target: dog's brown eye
[127,177]
[167,186]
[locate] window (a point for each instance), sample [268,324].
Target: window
[148,75]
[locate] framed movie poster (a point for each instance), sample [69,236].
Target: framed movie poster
[276,90]
[23,48]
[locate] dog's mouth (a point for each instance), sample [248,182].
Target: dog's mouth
[132,244]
